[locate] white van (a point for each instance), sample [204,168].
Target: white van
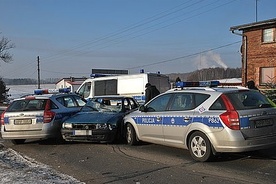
[126,85]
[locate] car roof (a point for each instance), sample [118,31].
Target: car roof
[209,89]
[112,96]
[44,96]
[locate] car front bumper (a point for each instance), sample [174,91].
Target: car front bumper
[89,135]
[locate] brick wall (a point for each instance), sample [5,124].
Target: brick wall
[259,55]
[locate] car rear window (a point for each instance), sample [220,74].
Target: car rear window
[248,100]
[27,105]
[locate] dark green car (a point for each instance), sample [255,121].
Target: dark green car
[100,120]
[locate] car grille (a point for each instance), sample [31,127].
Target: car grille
[84,126]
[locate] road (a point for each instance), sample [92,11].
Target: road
[148,163]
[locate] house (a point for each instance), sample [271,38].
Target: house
[71,82]
[258,52]
[230,82]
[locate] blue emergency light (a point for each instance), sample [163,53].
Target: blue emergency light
[51,91]
[197,84]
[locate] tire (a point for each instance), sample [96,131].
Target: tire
[18,141]
[200,147]
[131,137]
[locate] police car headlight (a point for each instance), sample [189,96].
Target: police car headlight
[67,125]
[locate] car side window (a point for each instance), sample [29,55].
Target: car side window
[218,105]
[200,98]
[69,102]
[132,104]
[182,101]
[187,101]
[79,101]
[159,104]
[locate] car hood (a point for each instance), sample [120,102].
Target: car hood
[93,117]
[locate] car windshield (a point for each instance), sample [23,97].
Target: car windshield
[103,105]
[249,100]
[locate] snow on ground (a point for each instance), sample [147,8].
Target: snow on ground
[19,169]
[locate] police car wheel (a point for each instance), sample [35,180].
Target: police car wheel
[200,147]
[131,135]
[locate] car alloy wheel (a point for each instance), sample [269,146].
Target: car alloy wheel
[200,147]
[131,135]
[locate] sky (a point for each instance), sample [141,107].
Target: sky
[72,37]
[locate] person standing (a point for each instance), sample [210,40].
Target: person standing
[151,92]
[251,85]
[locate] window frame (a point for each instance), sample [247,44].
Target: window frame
[265,80]
[268,38]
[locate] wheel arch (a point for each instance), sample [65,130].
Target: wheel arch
[135,128]
[202,131]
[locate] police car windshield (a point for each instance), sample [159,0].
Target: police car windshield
[249,100]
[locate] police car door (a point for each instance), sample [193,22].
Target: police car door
[150,122]
[177,118]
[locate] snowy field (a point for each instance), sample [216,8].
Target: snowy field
[19,90]
[19,169]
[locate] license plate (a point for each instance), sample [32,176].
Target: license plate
[22,121]
[82,132]
[263,123]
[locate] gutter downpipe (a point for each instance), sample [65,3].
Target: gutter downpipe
[244,55]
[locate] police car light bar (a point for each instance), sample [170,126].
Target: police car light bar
[51,91]
[197,84]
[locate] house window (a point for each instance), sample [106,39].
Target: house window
[267,75]
[268,35]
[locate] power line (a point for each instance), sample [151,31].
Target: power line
[186,56]
[166,61]
[152,19]
[140,25]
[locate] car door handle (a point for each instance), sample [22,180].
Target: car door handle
[186,119]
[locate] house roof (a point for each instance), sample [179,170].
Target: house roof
[75,82]
[252,25]
[230,80]
[72,79]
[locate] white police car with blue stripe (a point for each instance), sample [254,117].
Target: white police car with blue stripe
[39,116]
[205,120]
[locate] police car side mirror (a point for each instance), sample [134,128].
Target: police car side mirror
[143,108]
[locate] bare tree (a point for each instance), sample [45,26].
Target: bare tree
[5,45]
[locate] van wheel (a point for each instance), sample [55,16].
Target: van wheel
[131,135]
[18,141]
[200,147]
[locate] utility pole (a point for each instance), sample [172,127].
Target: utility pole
[256,9]
[38,73]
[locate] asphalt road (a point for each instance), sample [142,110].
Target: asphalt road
[148,163]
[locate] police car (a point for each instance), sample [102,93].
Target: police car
[205,120]
[39,116]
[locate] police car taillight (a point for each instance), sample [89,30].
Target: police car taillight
[48,115]
[181,84]
[2,118]
[51,91]
[231,117]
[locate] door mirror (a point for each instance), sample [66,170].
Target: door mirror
[143,108]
